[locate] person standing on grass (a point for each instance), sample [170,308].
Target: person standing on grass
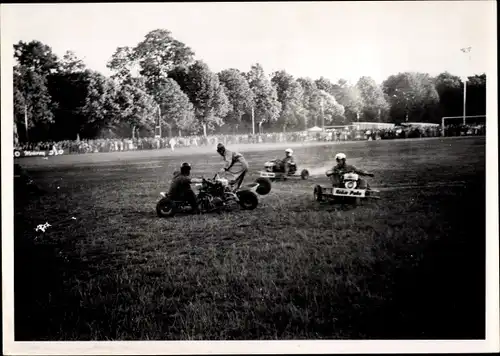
[233,159]
[172,143]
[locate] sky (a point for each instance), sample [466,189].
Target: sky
[307,39]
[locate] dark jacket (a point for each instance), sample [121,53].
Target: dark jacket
[180,185]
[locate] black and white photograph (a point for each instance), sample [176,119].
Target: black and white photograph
[249,177]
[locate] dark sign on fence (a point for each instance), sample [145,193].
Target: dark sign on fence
[44,153]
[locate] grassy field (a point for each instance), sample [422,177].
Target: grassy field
[410,266]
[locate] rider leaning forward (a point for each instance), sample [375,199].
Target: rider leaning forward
[180,188]
[234,159]
[342,167]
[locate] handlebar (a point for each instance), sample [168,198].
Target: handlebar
[217,175]
[330,172]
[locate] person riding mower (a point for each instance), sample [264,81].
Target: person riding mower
[289,164]
[180,188]
[342,167]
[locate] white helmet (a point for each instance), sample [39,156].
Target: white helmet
[289,150]
[340,156]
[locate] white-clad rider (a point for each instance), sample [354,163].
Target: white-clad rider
[342,167]
[289,160]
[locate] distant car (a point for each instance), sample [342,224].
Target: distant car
[275,170]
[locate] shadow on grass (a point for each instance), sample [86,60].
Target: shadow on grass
[438,291]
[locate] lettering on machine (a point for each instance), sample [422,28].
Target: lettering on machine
[356,193]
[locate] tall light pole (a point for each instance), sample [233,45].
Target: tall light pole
[253,120]
[26,121]
[158,124]
[467,52]
[322,115]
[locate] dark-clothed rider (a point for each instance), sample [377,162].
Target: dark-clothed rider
[341,168]
[233,159]
[180,188]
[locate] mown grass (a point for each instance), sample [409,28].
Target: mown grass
[409,266]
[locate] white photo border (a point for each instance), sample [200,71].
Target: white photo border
[10,347]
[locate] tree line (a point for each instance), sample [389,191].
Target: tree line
[160,81]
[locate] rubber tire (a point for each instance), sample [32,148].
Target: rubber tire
[318,193]
[264,187]
[248,200]
[161,205]
[304,174]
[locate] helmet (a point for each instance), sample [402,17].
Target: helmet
[220,148]
[340,156]
[185,167]
[289,151]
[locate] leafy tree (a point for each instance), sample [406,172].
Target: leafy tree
[346,95]
[121,64]
[176,109]
[239,94]
[373,99]
[101,105]
[207,96]
[36,57]
[68,92]
[267,108]
[476,95]
[311,100]
[446,81]
[290,95]
[34,63]
[333,112]
[155,57]
[137,109]
[138,82]
[450,89]
[70,63]
[159,53]
[32,101]
[412,95]
[325,84]
[181,75]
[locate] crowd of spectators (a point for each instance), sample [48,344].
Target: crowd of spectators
[149,143]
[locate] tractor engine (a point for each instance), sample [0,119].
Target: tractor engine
[269,166]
